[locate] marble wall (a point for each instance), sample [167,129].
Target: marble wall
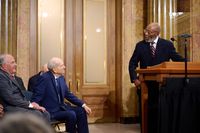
[134,20]
[133,23]
[132,32]
[23,40]
[195,26]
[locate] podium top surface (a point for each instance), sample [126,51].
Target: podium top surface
[176,65]
[172,67]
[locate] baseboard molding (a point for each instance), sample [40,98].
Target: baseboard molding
[129,120]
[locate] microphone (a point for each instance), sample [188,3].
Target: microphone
[173,39]
[185,35]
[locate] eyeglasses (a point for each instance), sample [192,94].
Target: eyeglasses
[148,31]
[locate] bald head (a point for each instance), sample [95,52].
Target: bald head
[54,62]
[151,32]
[56,66]
[154,27]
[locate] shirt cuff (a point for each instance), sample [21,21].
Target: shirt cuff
[30,105]
[83,105]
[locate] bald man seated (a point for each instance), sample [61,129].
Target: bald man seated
[50,92]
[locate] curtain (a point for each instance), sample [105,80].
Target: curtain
[179,106]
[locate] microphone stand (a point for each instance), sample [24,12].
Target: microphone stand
[185,36]
[186,80]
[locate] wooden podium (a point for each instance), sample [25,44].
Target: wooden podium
[159,73]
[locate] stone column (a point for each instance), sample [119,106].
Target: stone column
[23,37]
[195,24]
[132,32]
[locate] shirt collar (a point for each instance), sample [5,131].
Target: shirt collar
[156,40]
[56,77]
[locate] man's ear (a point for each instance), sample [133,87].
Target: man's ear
[3,66]
[54,71]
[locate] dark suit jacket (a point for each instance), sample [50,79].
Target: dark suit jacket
[33,81]
[11,93]
[20,82]
[27,94]
[46,94]
[142,54]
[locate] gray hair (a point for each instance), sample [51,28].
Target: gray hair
[24,123]
[53,63]
[2,59]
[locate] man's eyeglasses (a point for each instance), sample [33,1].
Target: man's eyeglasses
[148,31]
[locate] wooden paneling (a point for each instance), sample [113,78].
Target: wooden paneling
[33,50]
[183,5]
[118,59]
[101,98]
[8,22]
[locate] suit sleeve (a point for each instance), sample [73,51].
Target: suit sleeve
[39,90]
[71,97]
[11,94]
[30,85]
[133,64]
[174,55]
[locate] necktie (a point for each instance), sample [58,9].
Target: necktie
[153,49]
[12,77]
[58,90]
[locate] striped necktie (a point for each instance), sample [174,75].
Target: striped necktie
[153,49]
[58,89]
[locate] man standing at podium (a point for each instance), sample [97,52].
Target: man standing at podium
[151,51]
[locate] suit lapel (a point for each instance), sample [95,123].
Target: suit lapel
[61,87]
[60,82]
[54,84]
[158,48]
[13,81]
[149,49]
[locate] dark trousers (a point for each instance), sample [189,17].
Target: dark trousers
[76,118]
[153,98]
[45,115]
[139,105]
